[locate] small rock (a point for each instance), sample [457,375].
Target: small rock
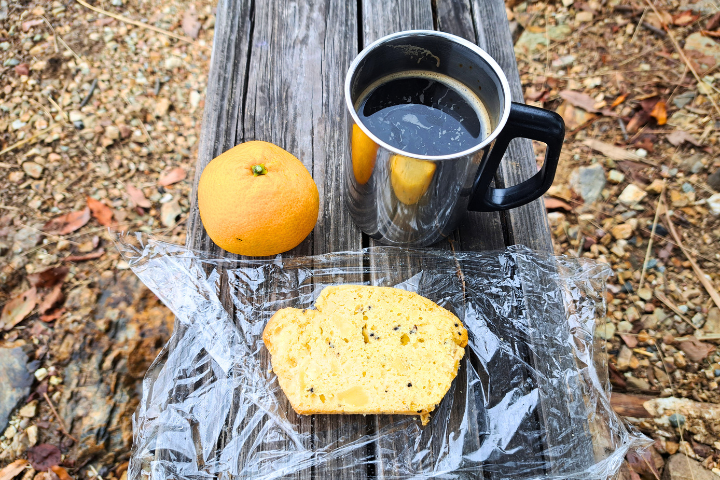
[677,420]
[631,314]
[15,378]
[649,322]
[567,3]
[684,98]
[714,204]
[624,327]
[10,432]
[16,176]
[32,433]
[641,152]
[41,373]
[195,98]
[623,359]
[712,323]
[588,182]
[173,62]
[22,69]
[622,231]
[714,180]
[631,195]
[161,107]
[661,376]
[33,169]
[678,199]
[169,212]
[606,332]
[29,410]
[584,17]
[616,176]
[645,293]
[680,467]
[112,132]
[555,218]
[671,448]
[27,238]
[637,383]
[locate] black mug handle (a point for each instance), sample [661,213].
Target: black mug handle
[524,121]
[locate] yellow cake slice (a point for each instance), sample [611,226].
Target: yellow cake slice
[368,350]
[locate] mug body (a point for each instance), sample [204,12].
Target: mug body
[409,199]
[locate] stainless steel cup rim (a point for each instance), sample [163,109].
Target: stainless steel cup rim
[461,41]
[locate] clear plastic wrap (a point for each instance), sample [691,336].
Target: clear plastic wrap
[531,399]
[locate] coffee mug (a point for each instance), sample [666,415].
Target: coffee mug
[415,97]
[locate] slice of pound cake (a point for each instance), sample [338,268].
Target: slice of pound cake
[366,350]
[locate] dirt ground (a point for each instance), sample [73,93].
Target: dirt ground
[99,125]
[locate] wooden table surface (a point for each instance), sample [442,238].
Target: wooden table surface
[277,74]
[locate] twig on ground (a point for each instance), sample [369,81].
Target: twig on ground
[57,417]
[652,235]
[661,296]
[87,98]
[637,27]
[660,33]
[696,268]
[59,109]
[139,24]
[30,139]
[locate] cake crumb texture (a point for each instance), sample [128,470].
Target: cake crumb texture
[366,350]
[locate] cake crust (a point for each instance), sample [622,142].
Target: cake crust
[366,350]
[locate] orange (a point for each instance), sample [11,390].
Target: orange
[410,178]
[364,151]
[256,199]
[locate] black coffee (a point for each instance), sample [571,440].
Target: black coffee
[424,114]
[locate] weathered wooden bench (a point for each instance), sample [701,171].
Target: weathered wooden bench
[277,75]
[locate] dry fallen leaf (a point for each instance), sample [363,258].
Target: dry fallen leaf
[695,349]
[68,223]
[51,299]
[579,99]
[638,120]
[102,213]
[137,196]
[18,308]
[83,258]
[11,470]
[190,24]
[573,116]
[642,462]
[685,18]
[173,176]
[714,22]
[44,456]
[61,472]
[619,100]
[52,316]
[659,112]
[554,204]
[678,137]
[48,278]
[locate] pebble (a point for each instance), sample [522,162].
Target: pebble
[687,188]
[638,383]
[15,378]
[161,107]
[677,420]
[641,152]
[631,195]
[632,314]
[32,433]
[623,359]
[41,373]
[712,323]
[616,176]
[680,467]
[622,231]
[33,169]
[714,180]
[624,327]
[606,332]
[645,293]
[588,182]
[714,204]
[584,16]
